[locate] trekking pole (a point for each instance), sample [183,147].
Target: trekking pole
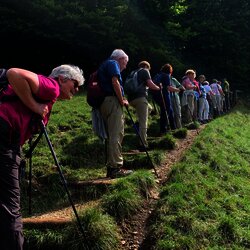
[175,109]
[144,147]
[29,155]
[43,130]
[106,150]
[165,109]
[30,179]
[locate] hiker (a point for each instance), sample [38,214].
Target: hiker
[222,98]
[27,100]
[203,103]
[109,74]
[216,98]
[175,100]
[139,100]
[163,98]
[226,89]
[188,97]
[197,94]
[209,93]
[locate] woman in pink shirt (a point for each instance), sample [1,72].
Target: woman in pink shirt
[27,96]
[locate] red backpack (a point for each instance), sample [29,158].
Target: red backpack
[95,93]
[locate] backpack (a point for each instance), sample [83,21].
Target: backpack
[3,80]
[131,84]
[95,93]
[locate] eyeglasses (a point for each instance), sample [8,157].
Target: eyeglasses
[76,85]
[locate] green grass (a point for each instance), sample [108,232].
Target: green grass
[80,152]
[205,204]
[81,157]
[99,232]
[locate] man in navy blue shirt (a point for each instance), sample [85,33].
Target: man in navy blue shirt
[109,75]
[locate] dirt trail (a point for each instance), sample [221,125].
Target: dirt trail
[133,231]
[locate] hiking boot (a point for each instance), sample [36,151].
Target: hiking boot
[118,173]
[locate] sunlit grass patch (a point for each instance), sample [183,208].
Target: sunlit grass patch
[121,204]
[204,204]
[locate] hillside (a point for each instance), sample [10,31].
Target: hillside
[136,227]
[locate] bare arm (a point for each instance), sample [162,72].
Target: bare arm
[117,88]
[173,89]
[25,83]
[151,85]
[188,85]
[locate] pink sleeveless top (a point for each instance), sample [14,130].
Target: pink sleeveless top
[19,116]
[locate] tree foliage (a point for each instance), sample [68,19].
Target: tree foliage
[211,36]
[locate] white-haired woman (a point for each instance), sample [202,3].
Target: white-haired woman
[27,96]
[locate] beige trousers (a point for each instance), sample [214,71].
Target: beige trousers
[113,117]
[141,106]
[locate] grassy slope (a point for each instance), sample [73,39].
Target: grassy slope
[80,152]
[205,204]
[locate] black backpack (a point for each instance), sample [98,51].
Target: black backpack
[131,84]
[3,80]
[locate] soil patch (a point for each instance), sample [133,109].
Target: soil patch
[134,231]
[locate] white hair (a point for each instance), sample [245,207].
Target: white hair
[118,53]
[68,71]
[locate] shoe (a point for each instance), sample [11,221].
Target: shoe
[118,173]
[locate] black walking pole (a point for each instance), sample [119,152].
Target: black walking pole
[43,130]
[106,150]
[29,155]
[30,177]
[171,105]
[165,109]
[144,147]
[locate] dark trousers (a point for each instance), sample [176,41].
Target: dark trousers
[166,110]
[11,237]
[227,101]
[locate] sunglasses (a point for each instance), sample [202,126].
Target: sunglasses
[76,85]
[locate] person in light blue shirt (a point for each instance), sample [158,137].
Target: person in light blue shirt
[203,103]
